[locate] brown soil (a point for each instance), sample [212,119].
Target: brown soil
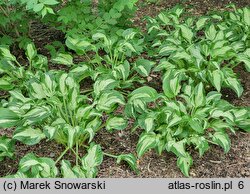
[214,163]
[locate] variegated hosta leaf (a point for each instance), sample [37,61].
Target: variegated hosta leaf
[201,144]
[143,67]
[49,85]
[8,118]
[104,85]
[147,122]
[36,115]
[171,83]
[92,160]
[28,135]
[80,72]
[63,59]
[178,148]
[77,44]
[37,91]
[198,96]
[117,123]
[5,52]
[122,71]
[6,147]
[145,93]
[31,51]
[223,140]
[184,164]
[138,100]
[130,159]
[146,142]
[108,100]
[67,171]
[35,167]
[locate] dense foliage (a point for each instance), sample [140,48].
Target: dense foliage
[194,56]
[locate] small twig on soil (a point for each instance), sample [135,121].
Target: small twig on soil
[148,167]
[215,162]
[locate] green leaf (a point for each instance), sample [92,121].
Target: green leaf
[66,170]
[213,96]
[62,84]
[123,69]
[146,142]
[211,32]
[18,96]
[178,148]
[49,131]
[201,23]
[34,167]
[145,93]
[147,122]
[246,15]
[143,66]
[48,84]
[6,147]
[49,2]
[108,100]
[36,115]
[184,164]
[199,98]
[201,144]
[5,85]
[8,118]
[164,18]
[80,72]
[103,85]
[235,85]
[196,125]
[186,33]
[167,50]
[79,45]
[28,135]
[117,123]
[130,159]
[5,52]
[129,46]
[38,7]
[92,159]
[217,79]
[223,140]
[171,83]
[63,59]
[37,91]
[245,59]
[71,135]
[31,51]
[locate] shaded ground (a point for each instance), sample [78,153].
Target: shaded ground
[214,163]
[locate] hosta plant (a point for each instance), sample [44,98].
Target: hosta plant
[13,74]
[191,119]
[113,64]
[55,110]
[204,49]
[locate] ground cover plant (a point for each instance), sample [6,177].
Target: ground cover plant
[45,98]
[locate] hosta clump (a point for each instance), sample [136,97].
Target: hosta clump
[13,74]
[205,49]
[113,62]
[55,110]
[192,119]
